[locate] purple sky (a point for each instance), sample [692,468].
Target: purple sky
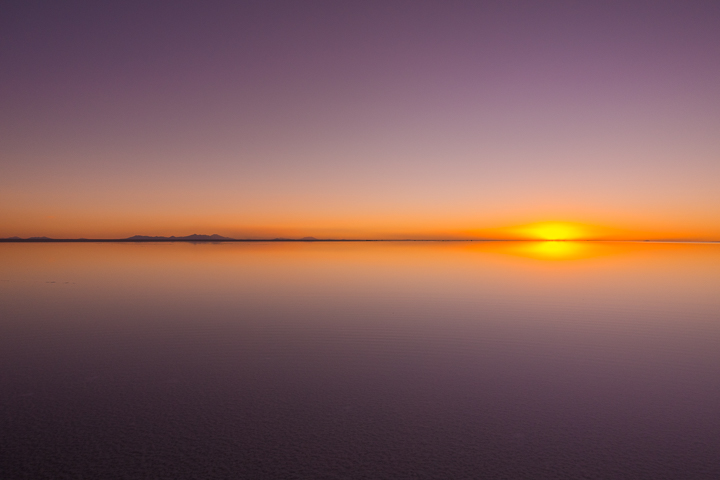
[358,119]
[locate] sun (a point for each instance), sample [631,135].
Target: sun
[554,231]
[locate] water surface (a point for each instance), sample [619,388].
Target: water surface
[360,360]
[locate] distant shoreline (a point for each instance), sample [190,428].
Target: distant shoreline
[313,240]
[231,240]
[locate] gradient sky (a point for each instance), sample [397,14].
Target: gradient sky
[359,119]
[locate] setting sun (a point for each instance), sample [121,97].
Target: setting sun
[554,231]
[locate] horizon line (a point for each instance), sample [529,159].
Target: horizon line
[219,239]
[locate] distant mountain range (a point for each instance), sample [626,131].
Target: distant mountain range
[147,238]
[136,238]
[39,239]
[192,237]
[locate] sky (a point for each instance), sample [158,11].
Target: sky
[367,119]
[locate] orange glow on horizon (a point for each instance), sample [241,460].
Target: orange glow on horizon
[389,225]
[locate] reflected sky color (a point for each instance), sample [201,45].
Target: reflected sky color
[360,360]
[149,275]
[371,119]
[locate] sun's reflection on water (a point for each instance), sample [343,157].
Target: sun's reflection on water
[557,250]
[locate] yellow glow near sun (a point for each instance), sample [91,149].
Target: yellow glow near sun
[554,231]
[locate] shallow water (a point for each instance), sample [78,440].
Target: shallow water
[360,360]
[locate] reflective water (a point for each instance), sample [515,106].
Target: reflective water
[360,360]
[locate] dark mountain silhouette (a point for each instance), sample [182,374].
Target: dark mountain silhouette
[194,236]
[31,239]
